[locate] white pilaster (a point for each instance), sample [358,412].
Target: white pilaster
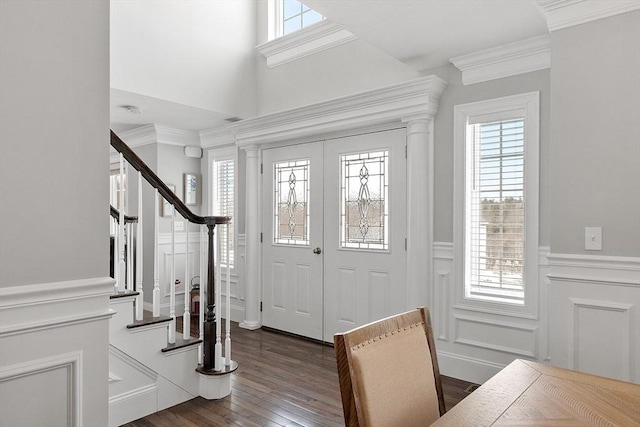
[419,209]
[252,276]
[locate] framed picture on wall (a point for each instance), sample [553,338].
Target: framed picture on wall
[191,189]
[167,208]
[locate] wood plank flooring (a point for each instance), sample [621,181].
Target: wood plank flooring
[281,381]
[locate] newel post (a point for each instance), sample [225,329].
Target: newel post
[210,313]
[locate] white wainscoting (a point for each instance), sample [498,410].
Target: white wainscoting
[164,268]
[595,314]
[476,344]
[53,341]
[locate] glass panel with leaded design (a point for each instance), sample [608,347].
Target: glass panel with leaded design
[364,217]
[291,207]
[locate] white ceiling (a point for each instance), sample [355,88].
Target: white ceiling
[159,111]
[421,33]
[427,33]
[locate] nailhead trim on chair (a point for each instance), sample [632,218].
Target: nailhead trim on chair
[386,334]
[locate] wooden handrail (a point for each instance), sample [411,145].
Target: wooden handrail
[115,213]
[162,188]
[210,318]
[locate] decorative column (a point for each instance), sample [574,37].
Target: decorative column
[419,210]
[252,230]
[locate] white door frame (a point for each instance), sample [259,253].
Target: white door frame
[414,103]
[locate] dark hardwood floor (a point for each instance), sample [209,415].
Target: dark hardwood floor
[281,381]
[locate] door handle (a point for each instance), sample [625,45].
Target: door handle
[317,251]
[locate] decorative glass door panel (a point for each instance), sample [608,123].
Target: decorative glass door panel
[291,202]
[364,212]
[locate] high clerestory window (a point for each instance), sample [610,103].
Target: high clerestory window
[295,15]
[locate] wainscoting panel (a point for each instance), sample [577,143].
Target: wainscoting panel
[54,382]
[594,317]
[598,327]
[474,344]
[66,379]
[498,336]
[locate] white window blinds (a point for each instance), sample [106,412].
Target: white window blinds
[495,229]
[223,205]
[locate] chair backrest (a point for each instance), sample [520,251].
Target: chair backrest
[389,373]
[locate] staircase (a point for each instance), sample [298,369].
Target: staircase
[150,367]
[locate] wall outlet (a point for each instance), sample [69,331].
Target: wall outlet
[593,238]
[178,226]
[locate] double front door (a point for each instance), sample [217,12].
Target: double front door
[334,233]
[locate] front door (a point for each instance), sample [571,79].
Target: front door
[334,240]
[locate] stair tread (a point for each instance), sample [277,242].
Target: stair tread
[181,343]
[124,294]
[148,319]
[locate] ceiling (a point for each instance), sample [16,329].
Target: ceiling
[421,33]
[427,33]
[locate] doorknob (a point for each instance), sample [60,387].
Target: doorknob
[317,251]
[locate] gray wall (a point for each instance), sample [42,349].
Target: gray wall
[595,135]
[455,94]
[343,70]
[54,191]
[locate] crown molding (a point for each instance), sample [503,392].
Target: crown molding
[504,61]
[306,41]
[568,13]
[216,137]
[396,103]
[154,133]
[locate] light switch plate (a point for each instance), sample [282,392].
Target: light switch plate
[178,226]
[593,238]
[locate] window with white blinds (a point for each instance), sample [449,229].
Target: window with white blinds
[496,206]
[223,204]
[495,209]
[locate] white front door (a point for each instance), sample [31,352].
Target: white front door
[365,263]
[334,233]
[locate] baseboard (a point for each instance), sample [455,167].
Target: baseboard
[466,368]
[132,405]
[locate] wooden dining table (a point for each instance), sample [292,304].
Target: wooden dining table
[527,393]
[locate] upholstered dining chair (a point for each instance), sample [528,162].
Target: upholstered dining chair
[388,372]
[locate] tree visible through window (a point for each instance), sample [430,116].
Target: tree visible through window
[495,206]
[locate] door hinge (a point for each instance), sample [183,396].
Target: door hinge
[260,237]
[261,168]
[406,152]
[260,305]
[405,244]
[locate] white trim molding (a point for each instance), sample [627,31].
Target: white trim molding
[48,305]
[568,13]
[609,270]
[315,38]
[216,137]
[503,61]
[402,101]
[154,133]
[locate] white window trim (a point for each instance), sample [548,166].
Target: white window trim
[529,105]
[218,154]
[315,38]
